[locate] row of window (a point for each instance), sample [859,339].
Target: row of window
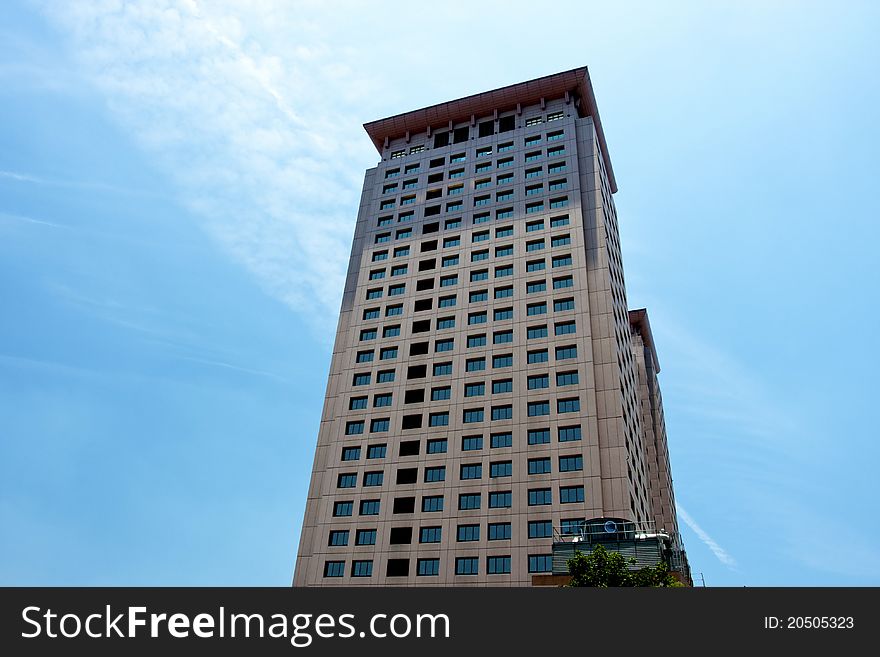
[471,365]
[495,565]
[462,134]
[467,533]
[466,501]
[477,275]
[458,206]
[467,471]
[455,189]
[469,443]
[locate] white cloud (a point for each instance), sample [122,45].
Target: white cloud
[722,554]
[246,118]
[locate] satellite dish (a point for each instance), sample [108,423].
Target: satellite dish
[610,526]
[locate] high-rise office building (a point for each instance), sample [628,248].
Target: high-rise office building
[490,394]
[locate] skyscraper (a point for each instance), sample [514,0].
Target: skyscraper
[490,392]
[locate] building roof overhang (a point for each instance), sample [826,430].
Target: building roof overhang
[638,319]
[576,83]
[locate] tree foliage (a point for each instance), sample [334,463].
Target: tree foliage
[602,568]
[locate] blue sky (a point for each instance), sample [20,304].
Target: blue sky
[178,188]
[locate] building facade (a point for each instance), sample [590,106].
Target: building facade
[489,388]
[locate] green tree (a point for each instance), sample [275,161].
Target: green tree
[603,569]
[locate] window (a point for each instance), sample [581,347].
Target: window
[416,149]
[440,394]
[454,189]
[371,313]
[540,496]
[556,222]
[479,275]
[561,305]
[458,157]
[437,473]
[385,376]
[392,173]
[557,167]
[502,386]
[451,241]
[504,162]
[382,400]
[540,563]
[563,353]
[502,412]
[571,494]
[481,217]
[503,292]
[498,565]
[506,270]
[452,223]
[504,251]
[475,364]
[446,302]
[388,353]
[539,437]
[476,340]
[569,526]
[334,568]
[539,466]
[502,337]
[398,270]
[478,295]
[401,251]
[354,428]
[432,503]
[536,409]
[444,345]
[437,446]
[397,568]
[556,152]
[348,480]
[536,309]
[541,529]
[537,356]
[567,434]
[357,403]
[500,500]
[499,531]
[396,309]
[534,207]
[561,240]
[486,128]
[534,332]
[365,537]
[504,360]
[374,478]
[384,221]
[377,451]
[477,318]
[535,265]
[430,534]
[468,501]
[365,356]
[409,214]
[375,293]
[471,443]
[538,381]
[564,328]
[474,389]
[368,334]
[566,378]
[562,261]
[480,236]
[342,509]
[568,405]
[403,233]
[500,440]
[467,566]
[533,140]
[571,463]
[445,323]
[391,331]
[562,282]
[534,245]
[394,290]
[500,469]
[369,507]
[473,415]
[379,425]
[387,205]
[468,533]
[380,255]
[456,173]
[454,206]
[471,471]
[438,419]
[482,168]
[484,151]
[351,453]
[555,116]
[502,314]
[558,184]
[476,256]
[536,120]
[427,567]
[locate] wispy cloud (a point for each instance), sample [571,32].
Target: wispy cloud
[30,220]
[716,549]
[251,130]
[28,178]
